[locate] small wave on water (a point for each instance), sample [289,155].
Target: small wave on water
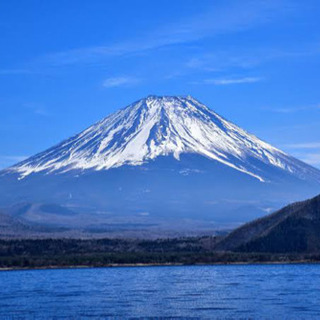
[184,292]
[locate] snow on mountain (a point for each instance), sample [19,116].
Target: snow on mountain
[160,126]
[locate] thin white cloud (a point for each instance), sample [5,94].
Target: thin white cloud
[227,18]
[286,110]
[231,81]
[312,159]
[294,109]
[310,125]
[225,59]
[6,161]
[120,81]
[13,158]
[245,57]
[306,145]
[308,152]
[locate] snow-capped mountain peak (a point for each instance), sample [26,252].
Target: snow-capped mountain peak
[162,126]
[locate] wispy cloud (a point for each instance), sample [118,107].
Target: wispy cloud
[228,18]
[120,81]
[309,152]
[286,110]
[225,59]
[312,159]
[314,125]
[228,81]
[293,109]
[306,145]
[223,82]
[6,161]
[245,58]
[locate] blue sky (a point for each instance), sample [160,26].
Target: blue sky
[66,64]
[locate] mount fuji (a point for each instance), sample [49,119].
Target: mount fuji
[163,160]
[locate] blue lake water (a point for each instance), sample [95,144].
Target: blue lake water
[199,292]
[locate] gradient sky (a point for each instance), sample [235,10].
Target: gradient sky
[66,64]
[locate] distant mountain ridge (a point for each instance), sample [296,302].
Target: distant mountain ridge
[163,160]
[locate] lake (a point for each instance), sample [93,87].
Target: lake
[199,292]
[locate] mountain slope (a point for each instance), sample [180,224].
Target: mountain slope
[295,228]
[160,126]
[166,161]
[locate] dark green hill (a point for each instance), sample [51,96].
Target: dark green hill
[293,229]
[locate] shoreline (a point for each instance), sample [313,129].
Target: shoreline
[142,265]
[76,254]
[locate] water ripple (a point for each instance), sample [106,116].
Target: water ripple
[186,292]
